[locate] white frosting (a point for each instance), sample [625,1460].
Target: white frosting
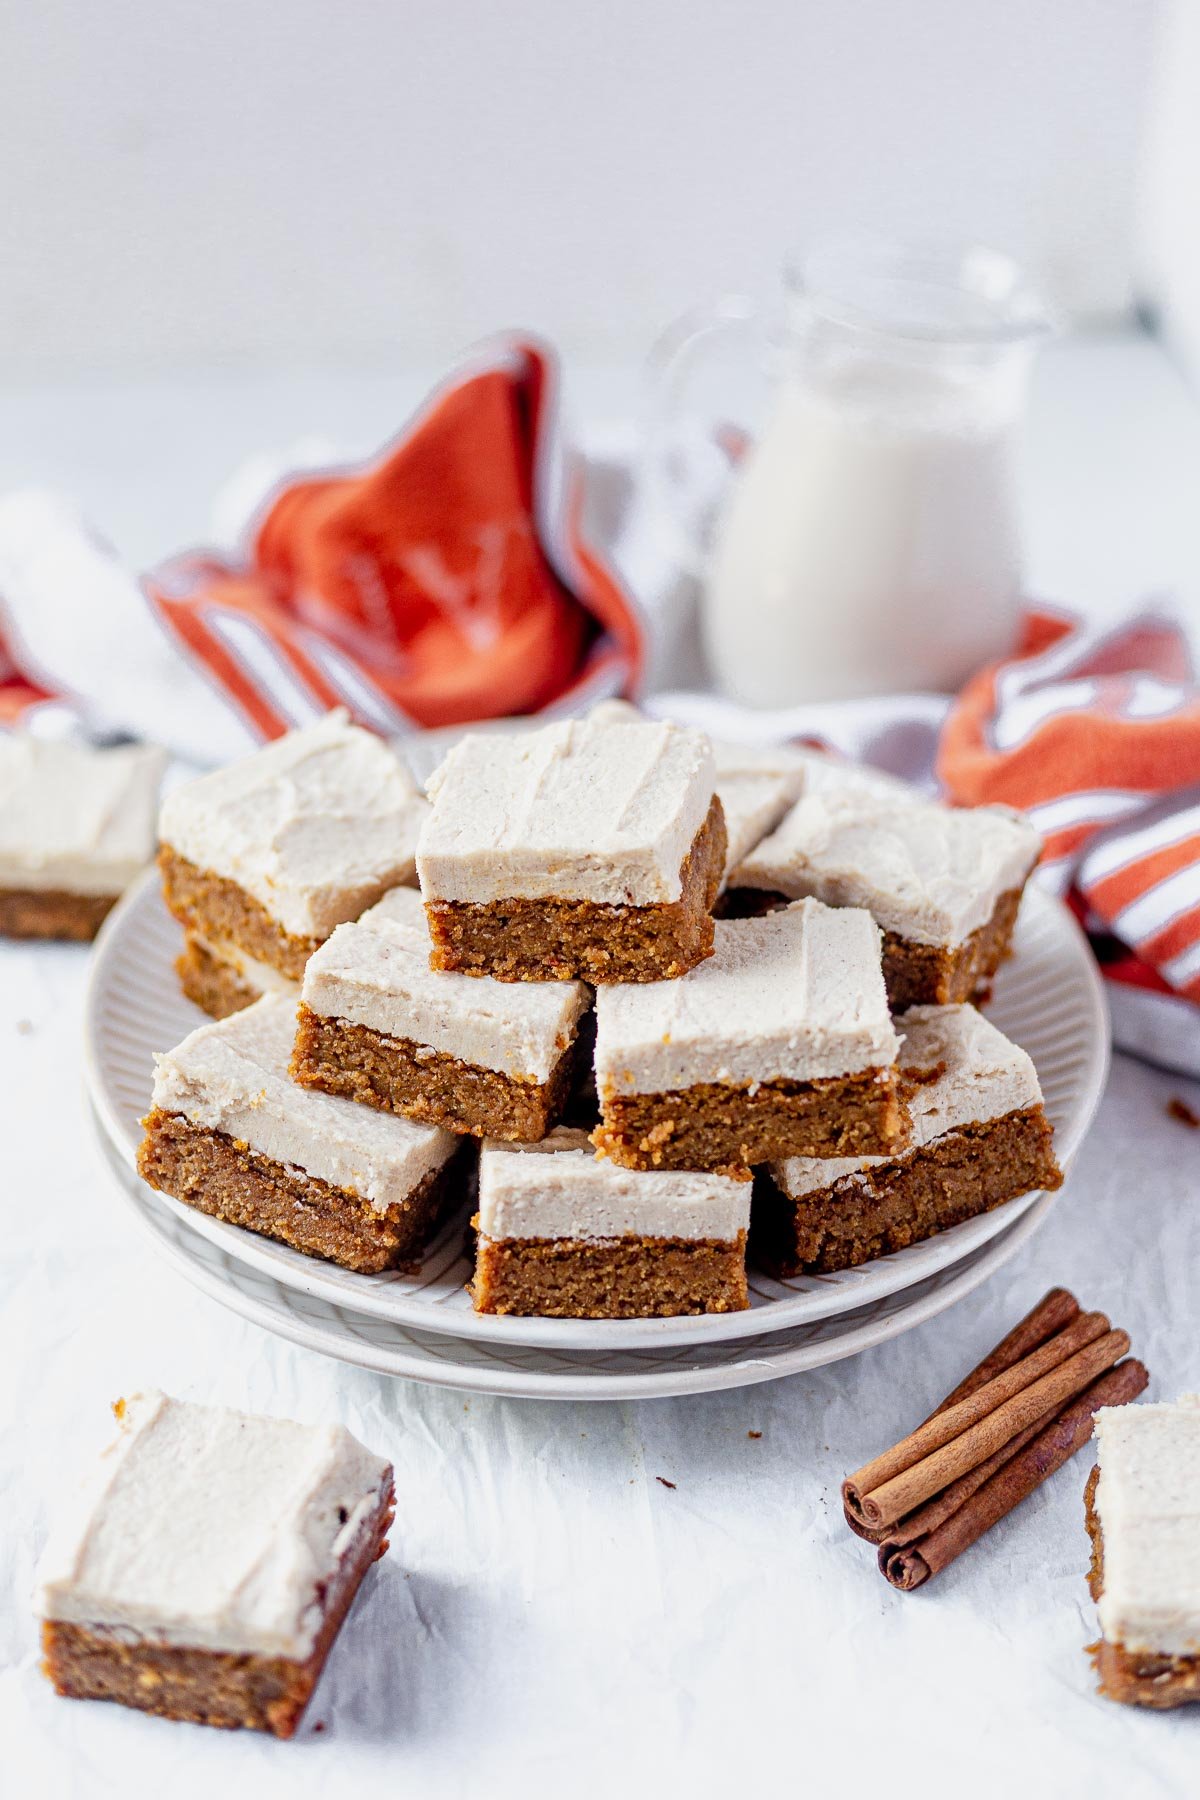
[756,785]
[74,818]
[755,788]
[561,1189]
[616,712]
[795,995]
[985,1077]
[1148,1502]
[314,827]
[931,873]
[212,1530]
[753,806]
[376,973]
[575,811]
[263,977]
[232,1076]
[825,774]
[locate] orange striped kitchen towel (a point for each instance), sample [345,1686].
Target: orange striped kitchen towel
[1095,734]
[448,579]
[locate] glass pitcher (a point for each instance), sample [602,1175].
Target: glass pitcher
[867,538]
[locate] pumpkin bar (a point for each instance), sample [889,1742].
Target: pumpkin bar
[565,1234]
[232,1135]
[980,1136]
[756,787]
[585,850]
[76,828]
[1143,1517]
[204,1571]
[221,979]
[943,883]
[264,858]
[477,1056]
[780,1045]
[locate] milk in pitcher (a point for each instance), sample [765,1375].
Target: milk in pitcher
[869,539]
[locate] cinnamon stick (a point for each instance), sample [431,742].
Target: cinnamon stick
[909,1565]
[892,1499]
[935,1512]
[1053,1311]
[860,1491]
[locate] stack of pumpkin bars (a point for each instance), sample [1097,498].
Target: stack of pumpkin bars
[655,1004]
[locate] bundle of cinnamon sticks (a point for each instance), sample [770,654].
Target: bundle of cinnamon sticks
[1013,1421]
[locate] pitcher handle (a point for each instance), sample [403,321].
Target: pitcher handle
[686,470]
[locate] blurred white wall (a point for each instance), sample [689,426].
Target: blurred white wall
[224,179]
[1170,218]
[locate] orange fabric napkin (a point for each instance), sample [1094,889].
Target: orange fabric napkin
[1096,735]
[448,580]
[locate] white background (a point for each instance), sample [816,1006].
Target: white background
[1168,247]
[211,178]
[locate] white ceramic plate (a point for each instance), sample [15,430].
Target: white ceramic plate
[542,1371]
[1049,998]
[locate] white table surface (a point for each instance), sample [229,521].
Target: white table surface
[552,1619]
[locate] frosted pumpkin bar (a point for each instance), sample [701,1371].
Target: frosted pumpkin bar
[378,1025]
[220,978]
[231,1134]
[1143,1516]
[943,883]
[780,1045]
[756,787]
[565,1234]
[261,860]
[76,827]
[205,1569]
[980,1136]
[584,850]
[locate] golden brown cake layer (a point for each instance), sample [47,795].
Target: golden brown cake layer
[561,940]
[884,1208]
[941,975]
[211,984]
[625,1278]
[726,1128]
[398,1076]
[222,911]
[208,1687]
[1133,1677]
[918,974]
[211,1172]
[30,913]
